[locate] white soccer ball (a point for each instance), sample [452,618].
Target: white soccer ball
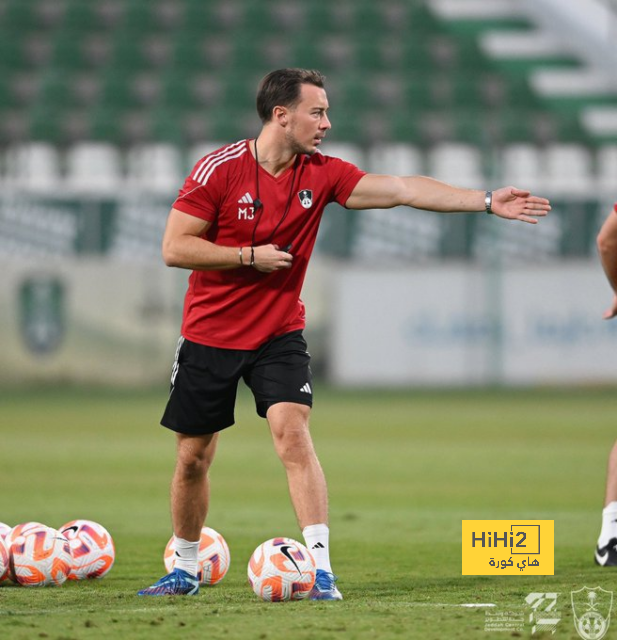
[4,560]
[39,556]
[212,560]
[13,533]
[92,549]
[281,569]
[4,530]
[20,529]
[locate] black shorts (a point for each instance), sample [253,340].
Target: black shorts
[204,381]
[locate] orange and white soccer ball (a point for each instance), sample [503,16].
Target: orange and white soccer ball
[39,556]
[4,560]
[4,530]
[14,532]
[20,529]
[213,557]
[92,549]
[4,552]
[281,569]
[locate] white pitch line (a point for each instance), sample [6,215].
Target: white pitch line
[63,610]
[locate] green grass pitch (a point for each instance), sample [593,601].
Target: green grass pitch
[404,468]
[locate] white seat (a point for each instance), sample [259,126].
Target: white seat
[155,167]
[345,151]
[397,159]
[457,163]
[568,168]
[606,169]
[522,165]
[198,151]
[33,166]
[93,167]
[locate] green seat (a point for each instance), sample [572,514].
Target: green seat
[80,17]
[240,90]
[56,91]
[46,124]
[229,125]
[23,50]
[192,90]
[105,124]
[167,125]
[140,17]
[18,89]
[128,52]
[122,89]
[22,15]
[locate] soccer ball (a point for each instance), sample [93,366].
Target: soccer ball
[13,533]
[212,559]
[92,549]
[281,569]
[39,556]
[20,529]
[4,530]
[4,552]
[4,560]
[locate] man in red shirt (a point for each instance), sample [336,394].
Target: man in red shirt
[245,222]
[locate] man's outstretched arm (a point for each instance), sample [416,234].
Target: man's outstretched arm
[375,191]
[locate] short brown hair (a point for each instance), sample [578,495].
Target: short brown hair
[282,88]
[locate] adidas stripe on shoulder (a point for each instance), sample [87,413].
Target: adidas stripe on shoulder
[204,169]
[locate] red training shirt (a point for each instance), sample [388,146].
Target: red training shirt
[243,308]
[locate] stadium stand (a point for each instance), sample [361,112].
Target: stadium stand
[88,64]
[131,92]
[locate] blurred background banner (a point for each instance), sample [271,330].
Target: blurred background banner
[105,106]
[88,321]
[464,325]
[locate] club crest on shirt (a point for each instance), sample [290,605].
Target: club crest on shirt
[306,198]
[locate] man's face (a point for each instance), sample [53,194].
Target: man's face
[308,120]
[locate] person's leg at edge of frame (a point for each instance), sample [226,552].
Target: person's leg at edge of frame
[289,425]
[190,494]
[606,552]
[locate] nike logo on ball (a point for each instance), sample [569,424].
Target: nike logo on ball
[73,528]
[285,551]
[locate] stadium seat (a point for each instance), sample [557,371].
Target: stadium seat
[84,17]
[88,51]
[395,158]
[33,166]
[606,163]
[93,167]
[290,16]
[30,15]
[522,165]
[29,50]
[105,125]
[225,17]
[18,89]
[192,90]
[202,149]
[142,16]
[130,89]
[155,167]
[568,169]
[457,163]
[346,151]
[60,90]
[14,126]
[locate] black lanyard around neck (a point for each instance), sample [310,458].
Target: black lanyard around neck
[258,204]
